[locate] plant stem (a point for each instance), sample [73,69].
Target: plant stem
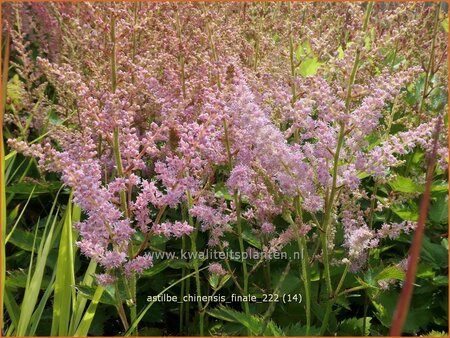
[212,46]
[272,305]
[120,309]
[291,57]
[430,67]
[181,55]
[131,283]
[196,267]
[241,248]
[402,308]
[332,195]
[182,292]
[237,205]
[304,273]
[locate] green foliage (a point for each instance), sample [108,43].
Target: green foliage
[49,288]
[355,327]
[251,322]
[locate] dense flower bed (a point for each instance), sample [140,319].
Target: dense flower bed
[268,127]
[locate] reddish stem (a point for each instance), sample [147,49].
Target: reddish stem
[403,304]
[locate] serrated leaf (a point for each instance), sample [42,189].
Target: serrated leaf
[385,306]
[299,330]
[405,184]
[309,67]
[354,326]
[405,212]
[434,254]
[390,272]
[214,280]
[436,334]
[252,323]
[439,210]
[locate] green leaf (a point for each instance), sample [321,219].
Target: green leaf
[439,186]
[439,210]
[35,281]
[390,272]
[11,306]
[86,322]
[309,67]
[340,53]
[53,118]
[179,264]
[15,90]
[24,189]
[89,293]
[385,305]
[367,43]
[303,50]
[155,269]
[434,254]
[214,281]
[222,192]
[276,38]
[37,315]
[441,280]
[250,237]
[436,334]
[405,212]
[405,184]
[252,323]
[290,283]
[24,239]
[81,301]
[141,315]
[17,221]
[362,175]
[299,330]
[18,279]
[64,295]
[444,24]
[354,327]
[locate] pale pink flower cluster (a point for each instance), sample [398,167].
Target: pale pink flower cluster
[206,117]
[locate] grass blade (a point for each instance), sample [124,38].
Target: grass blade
[65,278]
[85,324]
[12,307]
[35,319]
[81,301]
[5,67]
[20,216]
[33,286]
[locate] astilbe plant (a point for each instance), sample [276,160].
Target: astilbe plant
[258,114]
